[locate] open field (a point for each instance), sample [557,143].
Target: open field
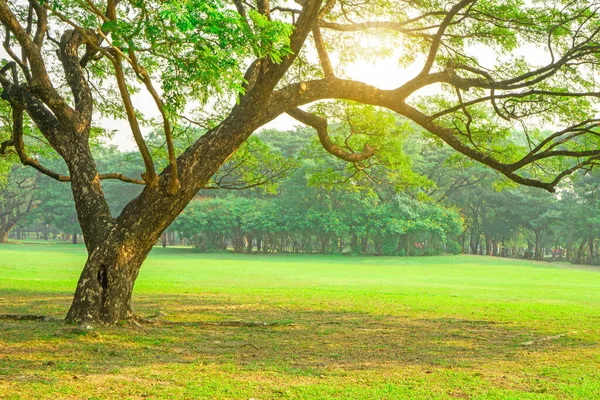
[287,326]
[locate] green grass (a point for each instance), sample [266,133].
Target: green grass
[303,326]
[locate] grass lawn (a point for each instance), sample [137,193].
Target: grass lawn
[303,326]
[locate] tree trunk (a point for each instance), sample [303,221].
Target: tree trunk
[249,243]
[106,284]
[4,231]
[580,250]
[74,240]
[365,243]
[475,241]
[591,248]
[539,251]
[488,244]
[3,236]
[164,240]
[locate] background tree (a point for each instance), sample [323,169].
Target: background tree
[18,197]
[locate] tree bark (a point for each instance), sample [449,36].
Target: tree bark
[106,284]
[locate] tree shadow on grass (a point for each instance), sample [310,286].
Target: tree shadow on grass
[260,337]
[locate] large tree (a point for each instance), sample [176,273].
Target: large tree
[73,60]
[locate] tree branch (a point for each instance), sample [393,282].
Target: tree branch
[437,39]
[174,183]
[149,176]
[22,63]
[322,52]
[320,125]
[264,8]
[19,145]
[41,83]
[70,42]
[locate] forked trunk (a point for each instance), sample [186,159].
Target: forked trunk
[103,293]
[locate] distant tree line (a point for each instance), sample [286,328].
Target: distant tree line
[329,225]
[514,221]
[285,196]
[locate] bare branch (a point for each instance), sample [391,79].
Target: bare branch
[327,8]
[42,22]
[19,145]
[22,63]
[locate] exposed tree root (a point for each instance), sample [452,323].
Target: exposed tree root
[27,317]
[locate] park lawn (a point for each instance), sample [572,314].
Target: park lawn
[306,326]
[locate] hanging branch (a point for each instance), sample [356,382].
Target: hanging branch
[149,176]
[21,62]
[174,183]
[18,144]
[322,52]
[320,125]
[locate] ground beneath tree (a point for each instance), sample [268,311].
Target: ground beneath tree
[308,327]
